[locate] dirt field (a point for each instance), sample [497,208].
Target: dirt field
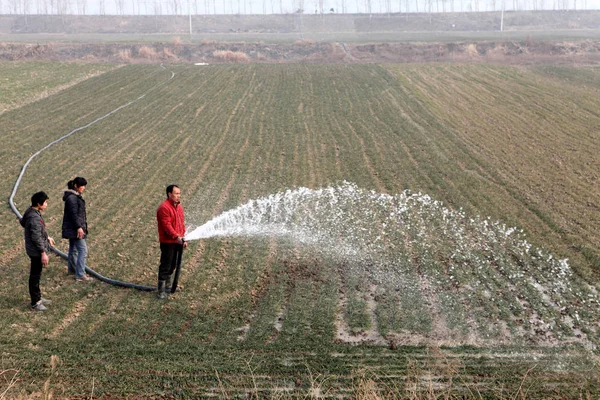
[308,51]
[554,37]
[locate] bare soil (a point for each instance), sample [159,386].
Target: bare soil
[505,52]
[555,37]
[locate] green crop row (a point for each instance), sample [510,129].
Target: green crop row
[26,82]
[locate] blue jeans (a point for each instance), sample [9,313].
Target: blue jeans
[77,255]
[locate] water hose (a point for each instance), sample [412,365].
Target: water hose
[88,270]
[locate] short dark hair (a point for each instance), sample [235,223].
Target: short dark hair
[38,199]
[79,181]
[170,189]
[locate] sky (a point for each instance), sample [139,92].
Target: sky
[164,7]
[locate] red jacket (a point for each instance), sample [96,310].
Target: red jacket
[171,222]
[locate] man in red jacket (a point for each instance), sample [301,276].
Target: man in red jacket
[171,230]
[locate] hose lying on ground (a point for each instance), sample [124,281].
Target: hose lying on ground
[88,270]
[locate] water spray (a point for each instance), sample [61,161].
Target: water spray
[399,242]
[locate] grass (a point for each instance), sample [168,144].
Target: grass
[258,317]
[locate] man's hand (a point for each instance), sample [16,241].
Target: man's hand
[51,242]
[181,241]
[80,233]
[45,259]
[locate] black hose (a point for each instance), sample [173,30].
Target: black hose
[88,270]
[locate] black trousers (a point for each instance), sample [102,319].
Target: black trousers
[34,279]
[169,252]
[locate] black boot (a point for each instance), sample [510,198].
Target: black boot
[168,284]
[161,294]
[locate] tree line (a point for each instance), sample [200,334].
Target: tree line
[246,7]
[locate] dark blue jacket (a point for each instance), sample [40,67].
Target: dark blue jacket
[74,216]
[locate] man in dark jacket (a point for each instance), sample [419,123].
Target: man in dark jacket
[37,246]
[171,230]
[74,227]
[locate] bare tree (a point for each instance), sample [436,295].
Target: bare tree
[120,4]
[13,6]
[175,6]
[62,7]
[81,7]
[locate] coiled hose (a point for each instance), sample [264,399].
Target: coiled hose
[88,270]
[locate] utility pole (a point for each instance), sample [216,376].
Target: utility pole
[502,17]
[190,15]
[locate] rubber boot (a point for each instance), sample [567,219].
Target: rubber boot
[161,293]
[168,284]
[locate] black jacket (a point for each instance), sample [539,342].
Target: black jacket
[74,216]
[36,237]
